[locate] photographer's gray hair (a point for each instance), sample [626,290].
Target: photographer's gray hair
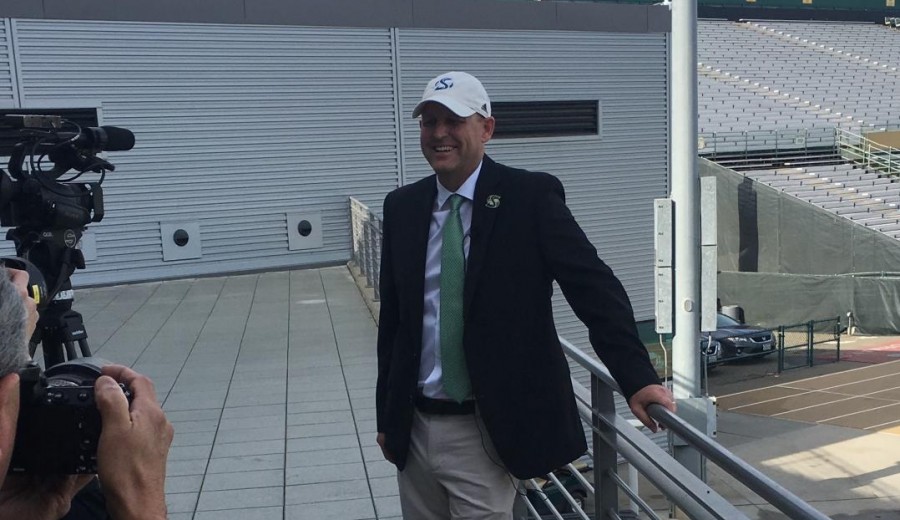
[13,343]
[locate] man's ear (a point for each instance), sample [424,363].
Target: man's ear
[489,123]
[9,416]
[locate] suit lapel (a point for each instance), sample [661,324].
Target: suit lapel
[419,222]
[485,207]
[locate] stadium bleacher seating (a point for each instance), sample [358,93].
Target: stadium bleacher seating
[768,86]
[818,86]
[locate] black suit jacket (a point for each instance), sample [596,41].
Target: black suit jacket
[519,373]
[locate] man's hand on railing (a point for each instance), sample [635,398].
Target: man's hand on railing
[651,394]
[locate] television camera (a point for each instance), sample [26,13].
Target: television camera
[58,426]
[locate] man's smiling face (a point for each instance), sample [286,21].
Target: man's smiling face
[453,145]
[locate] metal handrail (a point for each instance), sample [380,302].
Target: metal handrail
[365,235]
[685,489]
[616,436]
[765,487]
[776,141]
[862,150]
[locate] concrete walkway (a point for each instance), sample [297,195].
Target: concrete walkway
[269,380]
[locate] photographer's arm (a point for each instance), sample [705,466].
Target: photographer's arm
[35,497]
[134,445]
[39,497]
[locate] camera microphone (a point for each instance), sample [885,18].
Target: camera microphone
[104,138]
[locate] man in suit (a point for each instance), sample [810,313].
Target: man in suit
[472,382]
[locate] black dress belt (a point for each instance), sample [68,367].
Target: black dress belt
[444,406]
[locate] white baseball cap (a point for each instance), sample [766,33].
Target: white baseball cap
[460,92]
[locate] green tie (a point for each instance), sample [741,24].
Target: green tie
[453,275]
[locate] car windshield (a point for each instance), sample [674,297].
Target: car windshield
[724,322]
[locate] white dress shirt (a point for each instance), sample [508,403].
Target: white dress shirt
[430,363]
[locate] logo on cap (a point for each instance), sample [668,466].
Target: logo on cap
[443,83]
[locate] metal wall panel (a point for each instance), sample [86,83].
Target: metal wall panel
[236,125]
[8,94]
[610,180]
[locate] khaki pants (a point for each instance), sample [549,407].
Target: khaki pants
[453,473]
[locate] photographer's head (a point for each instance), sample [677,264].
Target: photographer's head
[18,316]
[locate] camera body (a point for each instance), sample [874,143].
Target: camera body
[59,424]
[37,205]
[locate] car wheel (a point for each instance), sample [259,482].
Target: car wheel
[580,497]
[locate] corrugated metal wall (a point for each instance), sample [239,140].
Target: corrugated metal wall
[235,126]
[8,97]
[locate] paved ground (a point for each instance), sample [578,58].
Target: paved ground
[830,433]
[867,398]
[269,380]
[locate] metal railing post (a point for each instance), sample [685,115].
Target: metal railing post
[606,494]
[837,337]
[367,258]
[809,342]
[376,268]
[780,349]
[354,232]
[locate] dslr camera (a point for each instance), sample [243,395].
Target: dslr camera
[59,424]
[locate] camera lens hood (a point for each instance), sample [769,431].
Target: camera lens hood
[77,372]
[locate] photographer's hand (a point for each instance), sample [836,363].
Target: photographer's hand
[39,497]
[134,445]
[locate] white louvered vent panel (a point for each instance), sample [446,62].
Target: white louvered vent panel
[235,126]
[610,182]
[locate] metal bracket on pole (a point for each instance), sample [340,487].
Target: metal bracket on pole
[709,293]
[664,262]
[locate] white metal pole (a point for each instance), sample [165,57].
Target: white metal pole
[685,194]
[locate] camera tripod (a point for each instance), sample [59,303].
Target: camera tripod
[59,328]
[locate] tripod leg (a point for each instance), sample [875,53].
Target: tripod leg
[70,350]
[85,348]
[53,353]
